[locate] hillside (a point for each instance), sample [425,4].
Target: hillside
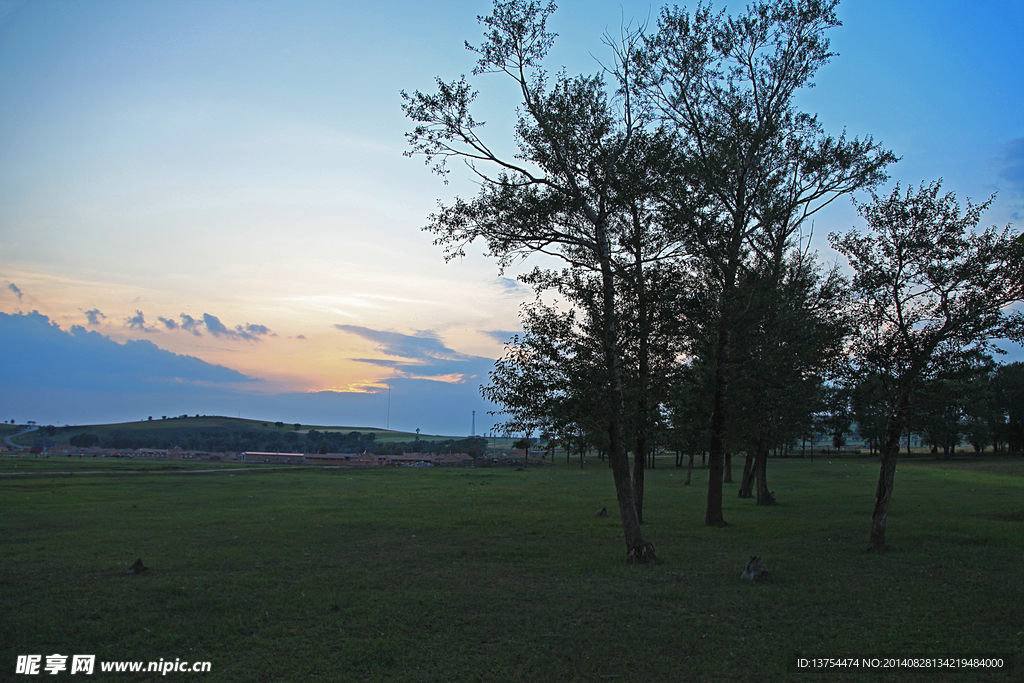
[189,431]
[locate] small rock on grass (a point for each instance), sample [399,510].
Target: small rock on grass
[755,568]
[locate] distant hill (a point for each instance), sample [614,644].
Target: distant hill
[219,433]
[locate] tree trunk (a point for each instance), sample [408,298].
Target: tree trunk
[764,496]
[689,471]
[637,549]
[639,460]
[727,469]
[887,474]
[747,481]
[716,460]
[716,465]
[716,450]
[643,369]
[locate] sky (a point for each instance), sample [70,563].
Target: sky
[205,209]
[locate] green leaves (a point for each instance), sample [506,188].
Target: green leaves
[517,38]
[929,287]
[444,125]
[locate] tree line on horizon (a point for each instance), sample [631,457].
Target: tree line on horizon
[980,405]
[674,190]
[214,440]
[218,440]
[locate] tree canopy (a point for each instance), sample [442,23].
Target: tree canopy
[930,294]
[675,186]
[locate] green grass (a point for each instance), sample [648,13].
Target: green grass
[496,575]
[15,463]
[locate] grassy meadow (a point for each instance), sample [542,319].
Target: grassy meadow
[492,574]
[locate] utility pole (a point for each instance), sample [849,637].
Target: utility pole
[473,431]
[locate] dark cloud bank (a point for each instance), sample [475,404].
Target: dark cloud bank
[44,355]
[78,376]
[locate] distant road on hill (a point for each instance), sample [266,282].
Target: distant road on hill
[7,439]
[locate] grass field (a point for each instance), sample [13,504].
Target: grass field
[489,574]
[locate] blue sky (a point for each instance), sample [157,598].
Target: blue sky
[224,181]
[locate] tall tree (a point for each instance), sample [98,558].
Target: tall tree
[751,167]
[981,413]
[941,413]
[651,324]
[930,292]
[1008,387]
[649,282]
[689,412]
[549,376]
[868,404]
[561,193]
[836,418]
[789,335]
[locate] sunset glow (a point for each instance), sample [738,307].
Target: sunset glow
[226,182]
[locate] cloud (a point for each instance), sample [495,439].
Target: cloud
[94,316]
[423,356]
[513,287]
[138,322]
[189,324]
[80,376]
[502,336]
[1013,166]
[14,288]
[425,346]
[214,326]
[79,359]
[301,336]
[9,9]
[256,330]
[248,332]
[383,362]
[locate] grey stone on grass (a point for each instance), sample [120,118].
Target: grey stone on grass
[755,568]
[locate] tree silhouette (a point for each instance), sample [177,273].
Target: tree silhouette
[930,292]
